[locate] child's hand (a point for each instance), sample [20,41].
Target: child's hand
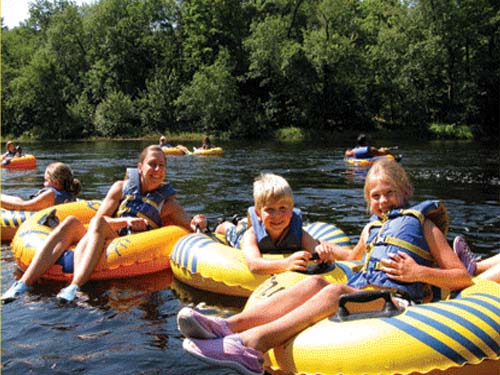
[401,267]
[325,251]
[297,261]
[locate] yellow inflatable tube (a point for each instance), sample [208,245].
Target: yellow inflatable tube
[126,256]
[203,263]
[215,151]
[173,151]
[365,162]
[20,162]
[457,336]
[11,220]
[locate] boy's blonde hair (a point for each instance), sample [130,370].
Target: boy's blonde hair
[270,188]
[392,173]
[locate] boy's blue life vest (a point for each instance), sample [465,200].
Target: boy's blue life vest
[291,241]
[148,206]
[401,230]
[362,152]
[59,196]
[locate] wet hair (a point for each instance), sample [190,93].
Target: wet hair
[149,149]
[392,173]
[269,188]
[362,141]
[63,173]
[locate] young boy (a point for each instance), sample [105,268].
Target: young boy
[274,226]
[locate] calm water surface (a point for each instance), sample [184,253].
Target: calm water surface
[128,326]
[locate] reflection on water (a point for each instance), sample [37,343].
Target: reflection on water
[128,326]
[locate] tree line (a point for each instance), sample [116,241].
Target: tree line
[247,68]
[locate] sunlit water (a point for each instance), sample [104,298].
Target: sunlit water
[128,326]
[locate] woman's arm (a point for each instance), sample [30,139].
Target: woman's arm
[173,213]
[41,201]
[110,205]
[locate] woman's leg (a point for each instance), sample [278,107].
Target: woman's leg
[88,251]
[487,263]
[68,232]
[489,268]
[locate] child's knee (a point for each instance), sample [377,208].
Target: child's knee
[334,291]
[316,282]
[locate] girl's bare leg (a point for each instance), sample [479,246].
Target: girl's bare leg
[317,307]
[278,305]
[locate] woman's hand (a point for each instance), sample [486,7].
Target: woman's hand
[137,224]
[401,267]
[199,221]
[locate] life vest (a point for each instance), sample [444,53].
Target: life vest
[59,196]
[362,152]
[290,242]
[401,230]
[166,145]
[148,206]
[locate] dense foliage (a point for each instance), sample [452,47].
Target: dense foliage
[248,67]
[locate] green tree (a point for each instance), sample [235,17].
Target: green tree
[116,116]
[211,99]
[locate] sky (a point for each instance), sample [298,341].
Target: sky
[16,11]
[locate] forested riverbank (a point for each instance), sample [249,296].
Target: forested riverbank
[128,68]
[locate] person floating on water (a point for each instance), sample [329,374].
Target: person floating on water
[141,202]
[60,186]
[205,144]
[275,227]
[364,150]
[164,144]
[11,151]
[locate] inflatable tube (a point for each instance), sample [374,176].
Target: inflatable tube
[126,256]
[215,151]
[456,336]
[22,162]
[11,220]
[369,161]
[204,263]
[172,151]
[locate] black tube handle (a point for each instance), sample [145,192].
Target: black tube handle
[389,309]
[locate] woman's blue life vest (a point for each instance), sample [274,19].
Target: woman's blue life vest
[60,196]
[147,206]
[401,230]
[291,241]
[362,152]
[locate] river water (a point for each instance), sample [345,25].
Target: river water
[128,326]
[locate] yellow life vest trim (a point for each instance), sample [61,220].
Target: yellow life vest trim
[415,213]
[408,246]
